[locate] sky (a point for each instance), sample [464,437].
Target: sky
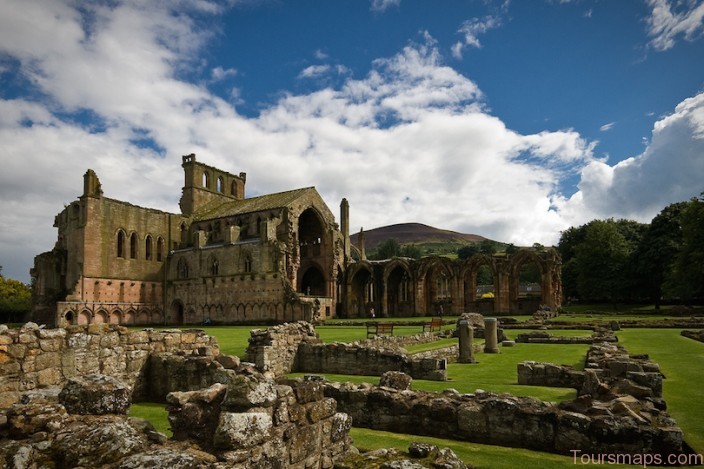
[513,120]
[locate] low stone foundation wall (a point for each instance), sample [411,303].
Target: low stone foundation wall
[609,371]
[543,337]
[620,426]
[696,335]
[32,357]
[296,347]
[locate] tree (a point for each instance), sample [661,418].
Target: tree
[387,249]
[15,299]
[657,251]
[487,247]
[688,273]
[465,252]
[412,251]
[600,262]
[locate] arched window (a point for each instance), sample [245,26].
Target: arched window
[220,184]
[120,243]
[133,246]
[214,266]
[248,264]
[233,188]
[206,179]
[182,268]
[148,248]
[159,249]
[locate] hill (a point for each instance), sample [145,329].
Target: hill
[415,233]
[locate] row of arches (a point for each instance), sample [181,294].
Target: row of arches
[127,317]
[218,184]
[128,247]
[400,287]
[250,312]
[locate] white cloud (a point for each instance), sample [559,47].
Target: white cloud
[471,29]
[671,169]
[607,127]
[219,73]
[668,21]
[381,6]
[411,141]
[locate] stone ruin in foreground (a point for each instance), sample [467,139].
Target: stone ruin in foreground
[64,394]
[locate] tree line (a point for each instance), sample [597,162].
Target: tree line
[15,299]
[626,261]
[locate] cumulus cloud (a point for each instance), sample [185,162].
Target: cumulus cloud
[668,21]
[410,141]
[671,169]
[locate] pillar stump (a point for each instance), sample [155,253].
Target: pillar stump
[466,334]
[490,336]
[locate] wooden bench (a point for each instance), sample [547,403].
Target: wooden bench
[379,328]
[435,324]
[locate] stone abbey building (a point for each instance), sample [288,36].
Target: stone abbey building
[229,259]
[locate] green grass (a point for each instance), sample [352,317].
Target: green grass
[416,319]
[477,455]
[155,413]
[680,360]
[591,318]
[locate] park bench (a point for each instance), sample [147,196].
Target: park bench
[379,328]
[435,324]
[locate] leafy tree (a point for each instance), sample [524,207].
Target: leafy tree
[567,247]
[412,251]
[487,247]
[600,261]
[688,273]
[15,299]
[657,251]
[465,252]
[386,250]
[511,249]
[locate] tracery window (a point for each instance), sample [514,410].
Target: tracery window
[148,248]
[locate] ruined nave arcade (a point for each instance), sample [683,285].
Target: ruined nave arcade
[228,258]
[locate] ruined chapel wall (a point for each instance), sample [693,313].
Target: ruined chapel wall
[32,358]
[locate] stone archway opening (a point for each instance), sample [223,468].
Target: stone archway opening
[528,287]
[399,293]
[177,313]
[438,283]
[310,234]
[362,293]
[313,282]
[480,289]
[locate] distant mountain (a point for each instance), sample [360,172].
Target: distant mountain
[414,233]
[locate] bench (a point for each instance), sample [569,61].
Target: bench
[435,324]
[379,328]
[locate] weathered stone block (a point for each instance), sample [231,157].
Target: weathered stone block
[246,392]
[242,430]
[96,394]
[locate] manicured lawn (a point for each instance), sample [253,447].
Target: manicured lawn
[681,360]
[155,413]
[474,454]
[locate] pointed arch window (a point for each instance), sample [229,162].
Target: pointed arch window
[220,184]
[206,179]
[159,249]
[148,248]
[214,266]
[120,243]
[182,269]
[133,246]
[248,263]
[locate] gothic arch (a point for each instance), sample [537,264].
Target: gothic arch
[397,288]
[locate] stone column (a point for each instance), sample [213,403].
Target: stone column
[466,339]
[490,336]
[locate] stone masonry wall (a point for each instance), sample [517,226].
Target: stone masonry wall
[296,347]
[32,357]
[625,425]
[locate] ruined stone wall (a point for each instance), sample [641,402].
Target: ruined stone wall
[621,427]
[296,347]
[548,374]
[32,357]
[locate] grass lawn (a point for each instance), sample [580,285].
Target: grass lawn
[680,360]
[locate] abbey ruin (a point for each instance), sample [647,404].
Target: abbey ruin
[228,259]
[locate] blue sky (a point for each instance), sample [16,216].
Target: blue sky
[513,120]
